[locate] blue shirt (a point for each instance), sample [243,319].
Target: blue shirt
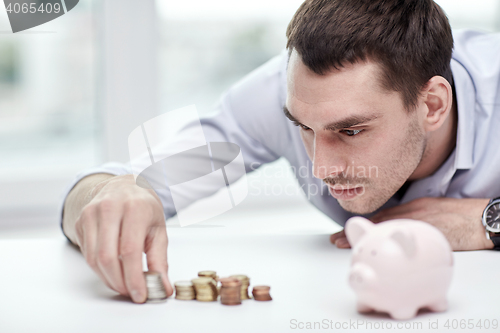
[251,115]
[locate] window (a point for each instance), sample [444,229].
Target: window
[62,111]
[47,97]
[481,15]
[208,45]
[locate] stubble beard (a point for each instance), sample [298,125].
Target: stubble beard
[402,165]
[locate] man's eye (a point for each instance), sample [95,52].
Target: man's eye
[304,127]
[351,132]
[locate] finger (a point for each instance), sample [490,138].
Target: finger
[156,253]
[379,217]
[109,219]
[88,242]
[342,243]
[79,234]
[131,247]
[337,235]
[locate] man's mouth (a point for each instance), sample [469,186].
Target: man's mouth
[340,192]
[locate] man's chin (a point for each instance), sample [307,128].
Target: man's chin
[359,206]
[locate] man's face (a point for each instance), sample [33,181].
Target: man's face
[362,141]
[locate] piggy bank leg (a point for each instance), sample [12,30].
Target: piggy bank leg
[362,308]
[439,306]
[403,313]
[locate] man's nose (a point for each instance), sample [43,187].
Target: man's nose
[327,161]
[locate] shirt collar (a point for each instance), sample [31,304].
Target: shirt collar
[466,100]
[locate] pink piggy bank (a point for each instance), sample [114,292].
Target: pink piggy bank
[399,266]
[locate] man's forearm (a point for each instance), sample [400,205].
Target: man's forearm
[80,196]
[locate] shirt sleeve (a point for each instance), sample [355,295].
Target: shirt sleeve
[240,118]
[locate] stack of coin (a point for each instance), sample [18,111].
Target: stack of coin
[245,282]
[261,293]
[230,291]
[184,290]
[211,274]
[156,290]
[205,289]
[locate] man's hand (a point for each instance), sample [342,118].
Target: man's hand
[114,221]
[458,219]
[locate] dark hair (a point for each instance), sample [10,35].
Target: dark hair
[410,39]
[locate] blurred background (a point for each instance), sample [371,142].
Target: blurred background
[71,90]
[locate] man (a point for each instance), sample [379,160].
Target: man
[392,125]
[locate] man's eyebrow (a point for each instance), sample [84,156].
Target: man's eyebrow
[289,115]
[351,121]
[343,123]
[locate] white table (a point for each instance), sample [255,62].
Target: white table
[46,286]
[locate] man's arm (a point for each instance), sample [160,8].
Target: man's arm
[114,221]
[458,219]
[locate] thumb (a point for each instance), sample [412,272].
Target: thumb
[156,254]
[337,235]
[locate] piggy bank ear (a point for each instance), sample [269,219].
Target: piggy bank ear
[355,228]
[406,241]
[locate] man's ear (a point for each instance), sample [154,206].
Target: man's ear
[438,98]
[406,241]
[355,228]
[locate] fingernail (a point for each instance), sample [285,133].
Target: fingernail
[169,288]
[341,242]
[136,296]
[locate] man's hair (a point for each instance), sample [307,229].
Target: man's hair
[410,39]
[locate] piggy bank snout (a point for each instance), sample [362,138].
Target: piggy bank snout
[361,276]
[356,280]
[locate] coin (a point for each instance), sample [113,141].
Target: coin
[205,289]
[230,282]
[184,290]
[201,280]
[245,282]
[207,273]
[230,291]
[183,284]
[261,293]
[155,288]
